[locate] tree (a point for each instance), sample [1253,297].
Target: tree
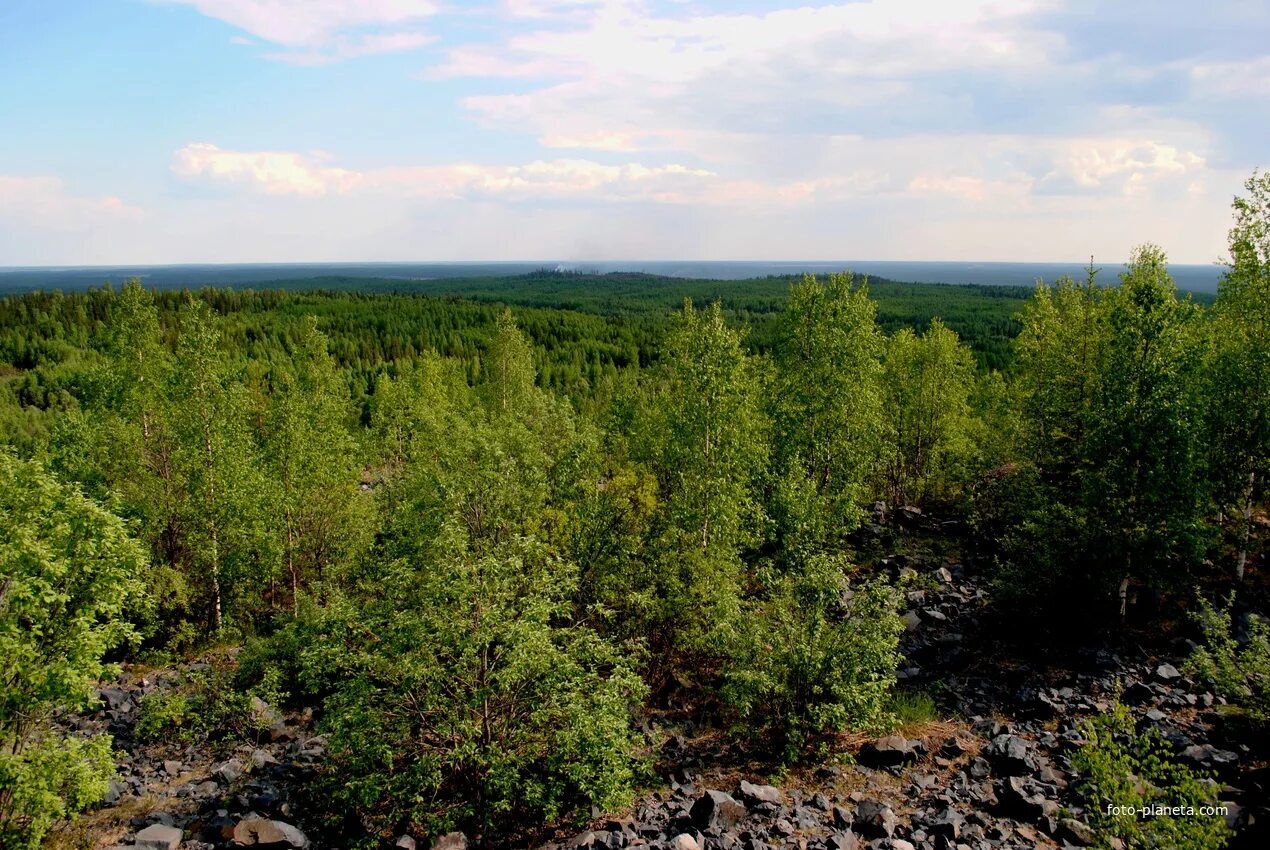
[223,544]
[508,368]
[713,451]
[827,404]
[69,578]
[313,462]
[1141,479]
[715,441]
[927,383]
[1239,362]
[1063,337]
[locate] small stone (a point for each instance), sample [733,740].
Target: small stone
[684,841]
[716,811]
[760,793]
[891,751]
[258,832]
[261,759]
[158,837]
[1075,832]
[1167,673]
[451,841]
[843,841]
[405,842]
[874,820]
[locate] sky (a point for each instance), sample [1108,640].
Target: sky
[171,131]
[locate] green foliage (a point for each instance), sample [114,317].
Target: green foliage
[1239,672]
[471,701]
[164,715]
[814,655]
[927,383]
[211,703]
[827,407]
[52,777]
[68,575]
[1122,768]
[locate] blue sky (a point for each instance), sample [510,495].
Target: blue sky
[165,131]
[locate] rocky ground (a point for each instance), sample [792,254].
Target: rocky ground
[995,775]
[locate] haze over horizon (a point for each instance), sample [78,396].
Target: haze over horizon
[244,131]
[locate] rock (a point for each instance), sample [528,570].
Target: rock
[116,699]
[261,759]
[891,751]
[1010,755]
[405,842]
[451,841]
[874,820]
[959,744]
[1137,693]
[588,840]
[1075,832]
[258,832]
[227,773]
[1167,673]
[173,768]
[715,811]
[281,733]
[843,841]
[944,576]
[947,823]
[760,793]
[911,621]
[158,837]
[114,792]
[684,841]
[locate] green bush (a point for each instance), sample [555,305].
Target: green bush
[164,714]
[471,700]
[1122,768]
[1239,673]
[51,778]
[806,660]
[208,704]
[69,573]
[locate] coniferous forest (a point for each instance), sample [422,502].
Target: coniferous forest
[564,558]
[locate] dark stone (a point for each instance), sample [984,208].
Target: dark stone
[760,793]
[716,811]
[891,751]
[874,820]
[947,823]
[1010,755]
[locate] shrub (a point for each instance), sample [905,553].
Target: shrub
[52,777]
[68,574]
[164,714]
[471,700]
[1125,769]
[1239,673]
[808,660]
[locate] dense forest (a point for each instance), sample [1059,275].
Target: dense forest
[486,527]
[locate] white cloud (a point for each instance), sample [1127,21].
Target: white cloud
[314,31]
[310,175]
[619,69]
[272,172]
[46,203]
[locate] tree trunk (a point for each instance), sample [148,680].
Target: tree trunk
[1247,529]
